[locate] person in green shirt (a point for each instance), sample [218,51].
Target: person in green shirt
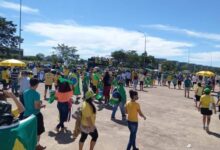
[122,101]
[33,104]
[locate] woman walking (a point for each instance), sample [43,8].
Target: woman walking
[88,121]
[63,95]
[133,109]
[206,106]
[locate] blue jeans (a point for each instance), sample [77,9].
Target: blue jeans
[122,108]
[63,111]
[133,127]
[14,86]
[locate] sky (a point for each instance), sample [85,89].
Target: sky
[179,30]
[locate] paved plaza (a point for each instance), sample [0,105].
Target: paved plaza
[173,123]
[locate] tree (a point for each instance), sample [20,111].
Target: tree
[119,56]
[67,53]
[132,59]
[40,56]
[8,39]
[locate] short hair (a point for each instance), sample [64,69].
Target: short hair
[133,93]
[34,82]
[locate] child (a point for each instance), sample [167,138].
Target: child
[198,92]
[206,106]
[133,109]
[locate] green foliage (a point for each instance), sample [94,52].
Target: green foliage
[67,53]
[8,39]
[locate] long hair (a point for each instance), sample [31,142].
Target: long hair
[89,101]
[63,87]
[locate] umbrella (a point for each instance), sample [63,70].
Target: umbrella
[12,63]
[205,73]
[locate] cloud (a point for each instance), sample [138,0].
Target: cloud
[217,46]
[16,7]
[191,33]
[206,58]
[102,40]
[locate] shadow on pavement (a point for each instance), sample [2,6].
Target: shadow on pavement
[214,134]
[120,122]
[62,137]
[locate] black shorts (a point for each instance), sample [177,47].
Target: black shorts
[206,112]
[48,87]
[179,82]
[198,98]
[40,124]
[141,82]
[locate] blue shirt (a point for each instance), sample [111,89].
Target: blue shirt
[30,97]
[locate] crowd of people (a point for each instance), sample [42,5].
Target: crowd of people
[104,85]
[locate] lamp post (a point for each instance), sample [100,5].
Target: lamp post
[20,53]
[145,45]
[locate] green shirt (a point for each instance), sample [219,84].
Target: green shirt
[30,96]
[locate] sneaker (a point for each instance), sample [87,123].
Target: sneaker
[39,147]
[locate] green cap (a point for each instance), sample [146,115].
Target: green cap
[89,94]
[207,91]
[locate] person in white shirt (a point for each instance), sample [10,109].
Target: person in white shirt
[34,70]
[194,80]
[128,78]
[24,83]
[141,77]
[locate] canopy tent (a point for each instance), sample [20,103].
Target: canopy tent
[205,73]
[12,63]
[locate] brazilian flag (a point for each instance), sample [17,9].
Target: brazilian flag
[21,137]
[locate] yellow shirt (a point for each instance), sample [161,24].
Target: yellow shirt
[87,112]
[56,77]
[49,77]
[5,75]
[66,72]
[132,110]
[205,100]
[15,113]
[169,78]
[199,91]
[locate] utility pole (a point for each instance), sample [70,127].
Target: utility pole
[20,52]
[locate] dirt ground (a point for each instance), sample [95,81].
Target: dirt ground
[173,123]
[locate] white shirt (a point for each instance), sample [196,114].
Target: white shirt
[24,84]
[141,77]
[34,71]
[128,75]
[194,79]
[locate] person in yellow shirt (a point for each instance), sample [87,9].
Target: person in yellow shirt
[88,121]
[56,77]
[66,72]
[198,93]
[49,79]
[206,105]
[133,109]
[5,78]
[169,79]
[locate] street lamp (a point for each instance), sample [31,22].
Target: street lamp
[145,44]
[20,53]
